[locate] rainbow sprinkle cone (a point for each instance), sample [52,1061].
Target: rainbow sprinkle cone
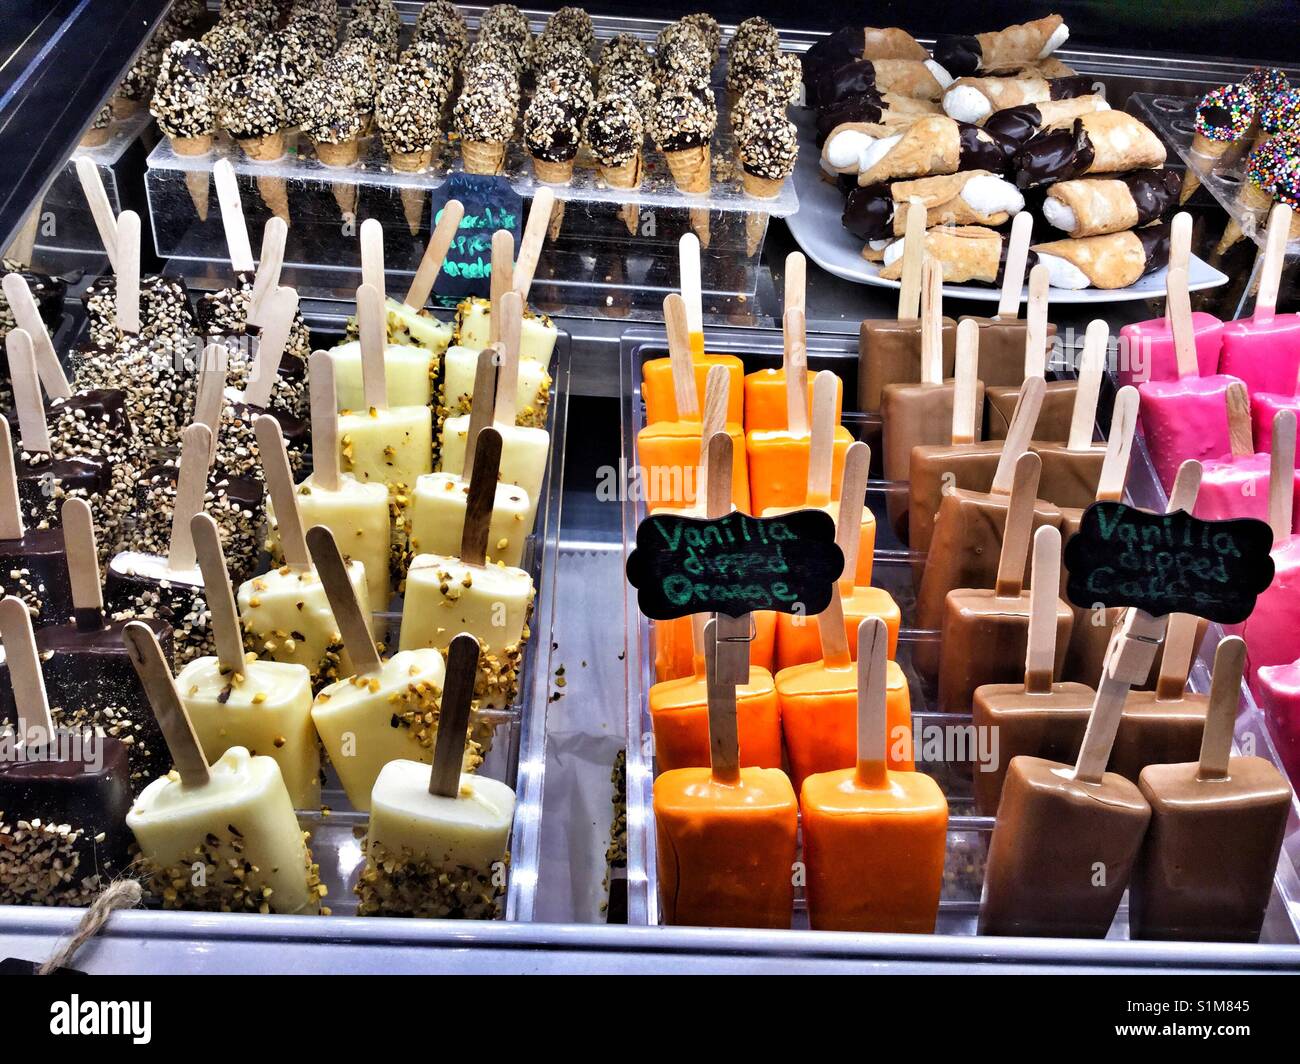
[1224,119]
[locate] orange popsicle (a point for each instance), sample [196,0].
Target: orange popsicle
[873,838]
[675,646]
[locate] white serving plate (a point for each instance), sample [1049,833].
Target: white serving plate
[818,231]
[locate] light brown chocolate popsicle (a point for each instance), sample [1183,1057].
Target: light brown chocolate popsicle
[1036,718]
[986,631]
[1206,869]
[1066,839]
[889,352]
[1072,468]
[917,414]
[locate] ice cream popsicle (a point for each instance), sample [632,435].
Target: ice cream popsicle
[198,822]
[1205,873]
[1057,410]
[919,414]
[1072,468]
[380,443]
[457,394]
[725,835]
[63,808]
[447,595]
[262,706]
[1277,690]
[873,837]
[410,321]
[1067,838]
[890,351]
[1264,349]
[1237,485]
[33,567]
[437,841]
[355,511]
[388,710]
[1187,417]
[1147,348]
[985,631]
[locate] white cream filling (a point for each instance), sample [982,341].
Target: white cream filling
[990,194]
[1062,273]
[965,103]
[879,245]
[893,252]
[876,151]
[941,75]
[845,149]
[1058,38]
[1058,214]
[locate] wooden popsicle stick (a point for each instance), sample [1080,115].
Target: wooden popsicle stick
[1180,242]
[1021,430]
[11,513]
[232,217]
[511,313]
[853,499]
[1040,654]
[282,306]
[502,277]
[1119,447]
[481,498]
[1240,440]
[1221,713]
[269,265]
[33,430]
[717,500]
[692,286]
[24,242]
[1091,367]
[681,361]
[834,638]
[1013,273]
[226,632]
[92,185]
[324,421]
[191,486]
[372,325]
[1270,273]
[1187,485]
[724,739]
[821,444]
[435,254]
[482,405]
[733,633]
[534,236]
[795,358]
[128,272]
[372,257]
[909,285]
[354,624]
[210,393]
[32,706]
[964,392]
[717,389]
[1176,657]
[796,282]
[1178,311]
[27,316]
[932,322]
[279,483]
[1020,521]
[83,558]
[873,703]
[1281,476]
[1036,323]
[453,716]
[156,679]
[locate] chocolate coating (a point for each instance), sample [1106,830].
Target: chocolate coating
[860,107]
[35,569]
[1016,124]
[958,54]
[869,213]
[1153,191]
[981,150]
[1056,155]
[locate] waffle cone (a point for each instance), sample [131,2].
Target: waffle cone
[125,107]
[552,173]
[1208,152]
[483,156]
[275,194]
[95,138]
[344,154]
[264,149]
[700,224]
[761,187]
[410,162]
[192,146]
[413,200]
[690,168]
[195,180]
[628,175]
[755,230]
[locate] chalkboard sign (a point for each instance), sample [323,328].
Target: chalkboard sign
[735,564]
[1168,563]
[490,204]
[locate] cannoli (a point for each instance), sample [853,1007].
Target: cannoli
[973,197]
[1026,43]
[887,110]
[1051,67]
[1018,124]
[1095,206]
[974,99]
[1104,142]
[1116,260]
[966,253]
[906,77]
[934,144]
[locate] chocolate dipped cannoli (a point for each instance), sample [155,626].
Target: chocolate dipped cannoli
[1095,206]
[966,253]
[1018,124]
[933,144]
[906,77]
[1104,142]
[1115,260]
[887,109]
[974,99]
[1028,42]
[973,197]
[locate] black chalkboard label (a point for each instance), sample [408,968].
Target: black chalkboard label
[1168,563]
[490,204]
[735,564]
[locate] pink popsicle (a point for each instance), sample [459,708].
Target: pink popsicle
[1277,689]
[1264,349]
[1237,485]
